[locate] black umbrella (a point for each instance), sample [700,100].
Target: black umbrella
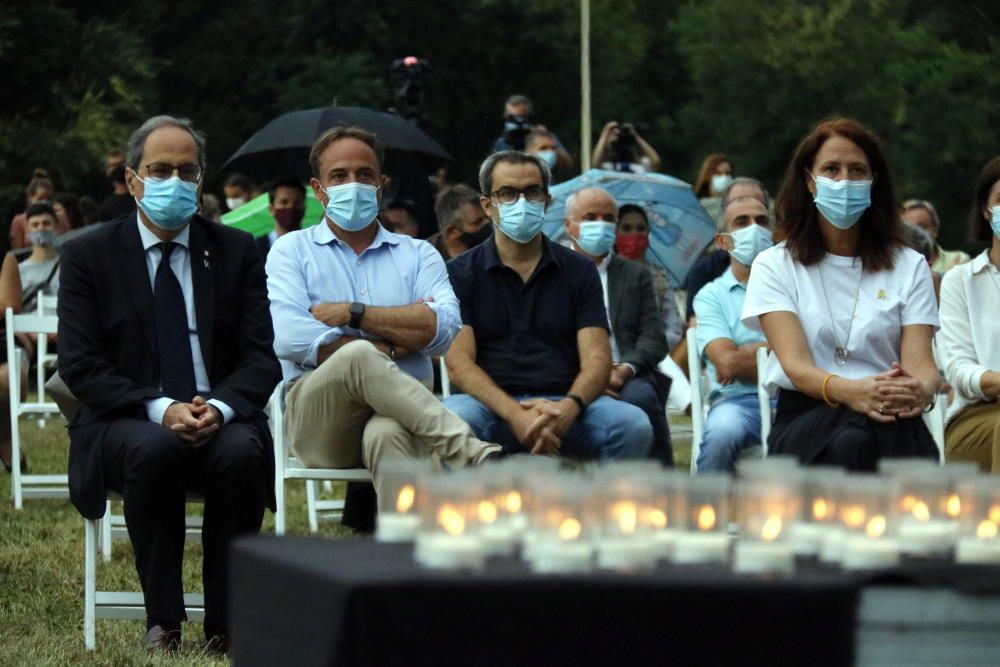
[280,149]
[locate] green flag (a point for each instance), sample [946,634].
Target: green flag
[254,218]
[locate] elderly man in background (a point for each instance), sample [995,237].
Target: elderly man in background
[921,213]
[462,221]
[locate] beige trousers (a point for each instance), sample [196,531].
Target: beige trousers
[359,409]
[974,435]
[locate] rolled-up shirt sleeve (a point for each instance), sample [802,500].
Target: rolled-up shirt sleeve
[434,288]
[297,334]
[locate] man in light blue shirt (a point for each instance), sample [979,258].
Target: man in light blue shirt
[358,311]
[729,348]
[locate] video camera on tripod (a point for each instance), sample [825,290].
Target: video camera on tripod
[409,80]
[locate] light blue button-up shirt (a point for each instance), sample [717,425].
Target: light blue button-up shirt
[312,266]
[719,305]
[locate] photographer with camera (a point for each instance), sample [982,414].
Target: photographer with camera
[622,148]
[519,123]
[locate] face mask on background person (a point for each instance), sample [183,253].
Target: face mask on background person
[42,237]
[996,221]
[352,206]
[169,203]
[842,202]
[235,202]
[721,181]
[522,220]
[596,237]
[472,239]
[750,242]
[548,157]
[290,219]
[632,246]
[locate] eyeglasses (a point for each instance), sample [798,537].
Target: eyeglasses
[509,195]
[161,171]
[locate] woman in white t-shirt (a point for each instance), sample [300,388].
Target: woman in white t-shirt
[969,342]
[848,309]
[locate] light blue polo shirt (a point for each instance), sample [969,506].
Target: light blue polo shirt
[719,305]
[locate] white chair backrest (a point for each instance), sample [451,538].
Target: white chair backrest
[445,381]
[46,304]
[765,400]
[697,396]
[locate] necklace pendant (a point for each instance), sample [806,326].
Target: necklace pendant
[840,355]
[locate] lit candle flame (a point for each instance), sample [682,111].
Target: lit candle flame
[986,530]
[451,520]
[821,509]
[771,529]
[569,529]
[853,515]
[876,526]
[907,502]
[954,505]
[404,502]
[706,517]
[995,514]
[657,518]
[921,512]
[513,502]
[487,511]
[626,515]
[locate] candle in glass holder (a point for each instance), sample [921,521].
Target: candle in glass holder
[398,519]
[869,521]
[623,534]
[499,511]
[561,529]
[705,538]
[818,511]
[767,508]
[928,512]
[979,522]
[667,514]
[450,522]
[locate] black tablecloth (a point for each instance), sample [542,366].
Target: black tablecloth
[308,601]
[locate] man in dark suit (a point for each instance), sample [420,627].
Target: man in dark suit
[286,202]
[165,338]
[638,343]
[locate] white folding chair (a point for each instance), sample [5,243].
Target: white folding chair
[286,467]
[28,486]
[935,422]
[445,381]
[118,605]
[765,400]
[46,305]
[699,407]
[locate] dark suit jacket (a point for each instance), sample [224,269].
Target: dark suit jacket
[107,337]
[263,244]
[634,316]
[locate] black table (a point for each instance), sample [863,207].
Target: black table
[308,601]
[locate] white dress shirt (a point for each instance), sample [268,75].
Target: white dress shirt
[180,264]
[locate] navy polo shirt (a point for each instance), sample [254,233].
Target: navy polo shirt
[526,331]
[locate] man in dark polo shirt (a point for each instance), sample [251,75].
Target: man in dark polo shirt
[533,355]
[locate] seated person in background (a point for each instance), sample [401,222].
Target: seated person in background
[462,221]
[922,213]
[729,348]
[622,148]
[238,190]
[545,145]
[533,356]
[715,263]
[40,271]
[400,217]
[286,202]
[916,238]
[119,202]
[10,297]
[358,311]
[715,174]
[637,341]
[970,332]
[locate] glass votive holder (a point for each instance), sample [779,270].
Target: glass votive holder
[817,518]
[500,511]
[869,518]
[533,485]
[767,509]
[623,536]
[398,517]
[666,514]
[928,511]
[892,467]
[768,466]
[449,534]
[705,537]
[562,533]
[979,524]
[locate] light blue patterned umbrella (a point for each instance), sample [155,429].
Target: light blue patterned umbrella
[679,228]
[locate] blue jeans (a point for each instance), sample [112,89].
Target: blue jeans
[607,430]
[733,424]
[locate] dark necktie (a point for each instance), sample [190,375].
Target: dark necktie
[176,366]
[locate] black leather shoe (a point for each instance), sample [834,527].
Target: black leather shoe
[163,638]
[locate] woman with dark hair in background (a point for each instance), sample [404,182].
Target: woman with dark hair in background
[847,308]
[970,331]
[715,175]
[68,215]
[39,187]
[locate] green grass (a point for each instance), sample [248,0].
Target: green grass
[41,571]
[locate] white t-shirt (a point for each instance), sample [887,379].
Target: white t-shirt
[887,301]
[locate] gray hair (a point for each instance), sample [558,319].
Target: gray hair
[725,207]
[736,182]
[448,206]
[571,200]
[911,204]
[137,142]
[510,157]
[918,239]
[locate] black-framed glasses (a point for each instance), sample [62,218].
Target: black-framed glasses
[161,171]
[509,195]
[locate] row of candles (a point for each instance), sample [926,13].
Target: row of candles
[630,515]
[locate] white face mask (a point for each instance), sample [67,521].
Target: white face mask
[235,202]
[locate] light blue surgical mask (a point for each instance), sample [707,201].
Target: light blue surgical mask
[721,181]
[352,206]
[996,221]
[522,220]
[842,202]
[42,237]
[750,242]
[596,237]
[169,203]
[548,157]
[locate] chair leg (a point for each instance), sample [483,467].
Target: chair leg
[311,505]
[279,504]
[15,463]
[89,583]
[106,533]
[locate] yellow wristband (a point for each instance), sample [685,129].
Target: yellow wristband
[826,398]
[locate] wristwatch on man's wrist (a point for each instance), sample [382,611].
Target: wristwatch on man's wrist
[357,311]
[579,401]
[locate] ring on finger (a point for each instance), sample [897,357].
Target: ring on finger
[881,408]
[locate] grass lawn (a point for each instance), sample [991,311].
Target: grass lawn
[41,570]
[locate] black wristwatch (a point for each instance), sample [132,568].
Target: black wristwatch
[579,401]
[357,312]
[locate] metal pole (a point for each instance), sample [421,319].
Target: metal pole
[585,135]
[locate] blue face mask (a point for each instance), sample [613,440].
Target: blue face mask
[842,202]
[548,157]
[169,204]
[996,221]
[352,206]
[522,220]
[596,237]
[750,242]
